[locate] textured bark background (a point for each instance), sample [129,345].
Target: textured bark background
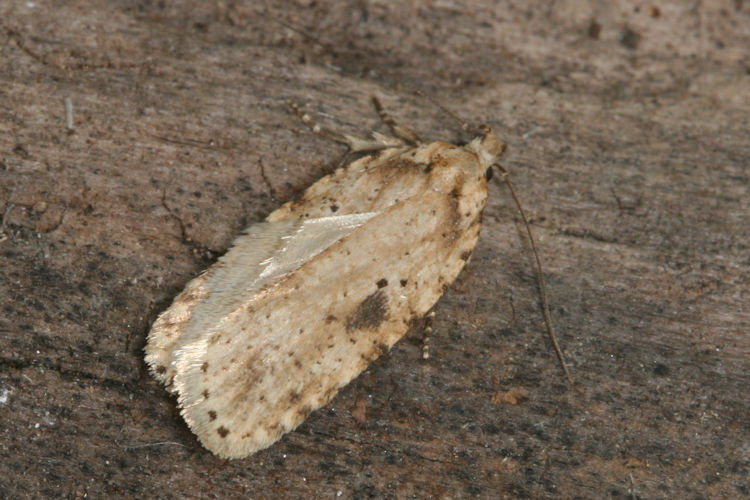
[629,144]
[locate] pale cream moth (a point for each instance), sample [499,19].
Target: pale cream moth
[303,302]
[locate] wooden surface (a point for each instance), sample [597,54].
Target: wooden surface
[628,131]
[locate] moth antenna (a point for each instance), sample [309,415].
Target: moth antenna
[354,143]
[465,126]
[305,34]
[405,133]
[317,129]
[539,275]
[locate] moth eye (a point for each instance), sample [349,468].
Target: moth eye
[488,174]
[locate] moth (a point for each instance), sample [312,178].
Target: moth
[303,302]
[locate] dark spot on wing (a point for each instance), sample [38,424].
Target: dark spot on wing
[374,156]
[205,394]
[382,283]
[223,431]
[379,347]
[330,393]
[212,415]
[204,367]
[334,208]
[305,411]
[465,255]
[161,369]
[330,319]
[399,162]
[294,397]
[294,204]
[369,314]
[437,162]
[454,212]
[404,282]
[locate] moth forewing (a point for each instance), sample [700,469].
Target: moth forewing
[256,258]
[252,364]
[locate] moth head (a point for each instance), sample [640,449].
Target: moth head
[487,146]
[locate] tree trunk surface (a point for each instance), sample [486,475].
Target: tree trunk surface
[628,128]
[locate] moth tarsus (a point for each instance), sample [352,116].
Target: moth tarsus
[427,329]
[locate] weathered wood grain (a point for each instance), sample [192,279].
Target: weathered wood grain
[628,133]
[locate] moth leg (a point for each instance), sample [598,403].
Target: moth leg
[427,332]
[399,131]
[355,144]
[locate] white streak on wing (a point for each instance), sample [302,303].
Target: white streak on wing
[314,236]
[258,258]
[235,277]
